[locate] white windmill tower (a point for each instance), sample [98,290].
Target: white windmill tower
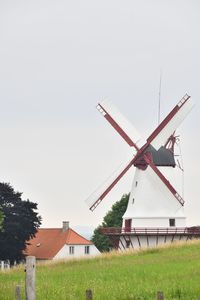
[155,211]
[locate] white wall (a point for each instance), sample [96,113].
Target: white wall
[156,222]
[79,251]
[152,202]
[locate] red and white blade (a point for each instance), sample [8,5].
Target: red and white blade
[168,126]
[165,184]
[95,198]
[120,123]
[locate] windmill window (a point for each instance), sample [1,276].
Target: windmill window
[128,244]
[172,222]
[71,249]
[133,201]
[136,183]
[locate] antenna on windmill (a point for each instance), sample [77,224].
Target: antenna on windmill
[159,96]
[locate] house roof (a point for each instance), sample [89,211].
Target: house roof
[48,242]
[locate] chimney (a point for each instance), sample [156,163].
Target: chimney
[65,226]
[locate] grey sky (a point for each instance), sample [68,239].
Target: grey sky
[57,60]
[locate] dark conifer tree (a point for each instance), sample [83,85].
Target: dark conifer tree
[21,222]
[1,219]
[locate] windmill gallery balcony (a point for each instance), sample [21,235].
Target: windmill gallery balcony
[127,237]
[151,231]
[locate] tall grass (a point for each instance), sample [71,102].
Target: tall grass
[173,269]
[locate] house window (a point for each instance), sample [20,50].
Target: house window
[87,249]
[172,222]
[71,249]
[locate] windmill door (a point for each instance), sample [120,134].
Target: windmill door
[128,223]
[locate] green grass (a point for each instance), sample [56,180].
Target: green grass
[138,275]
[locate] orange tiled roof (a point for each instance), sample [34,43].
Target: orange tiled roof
[48,242]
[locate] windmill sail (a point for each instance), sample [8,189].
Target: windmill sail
[120,123]
[95,198]
[167,127]
[166,183]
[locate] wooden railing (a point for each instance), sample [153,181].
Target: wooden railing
[152,231]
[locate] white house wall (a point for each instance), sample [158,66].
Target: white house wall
[79,251]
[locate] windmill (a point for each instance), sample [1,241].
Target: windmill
[155,211]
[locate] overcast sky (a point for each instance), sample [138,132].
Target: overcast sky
[57,60]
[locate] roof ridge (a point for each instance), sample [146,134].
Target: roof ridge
[68,231]
[49,228]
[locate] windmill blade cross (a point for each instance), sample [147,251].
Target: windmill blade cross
[165,181]
[119,123]
[160,138]
[95,199]
[161,134]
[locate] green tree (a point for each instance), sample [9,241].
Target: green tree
[112,219]
[1,219]
[20,223]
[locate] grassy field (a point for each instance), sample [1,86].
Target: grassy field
[138,275]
